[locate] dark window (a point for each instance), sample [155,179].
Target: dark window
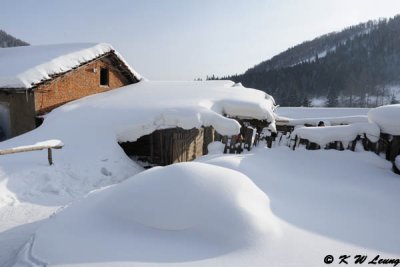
[104,76]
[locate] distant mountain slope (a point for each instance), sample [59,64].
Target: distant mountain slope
[308,50]
[359,66]
[7,40]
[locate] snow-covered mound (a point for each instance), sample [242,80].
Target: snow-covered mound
[387,118]
[344,133]
[216,147]
[22,67]
[185,211]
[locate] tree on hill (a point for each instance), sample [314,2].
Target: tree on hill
[358,62]
[7,40]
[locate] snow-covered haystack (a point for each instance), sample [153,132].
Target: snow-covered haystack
[344,133]
[185,211]
[387,117]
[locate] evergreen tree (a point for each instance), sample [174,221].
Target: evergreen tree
[306,102]
[393,100]
[332,99]
[7,40]
[358,60]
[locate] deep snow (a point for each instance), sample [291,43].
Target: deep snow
[194,215]
[183,212]
[91,127]
[296,207]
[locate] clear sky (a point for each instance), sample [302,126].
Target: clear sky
[185,39]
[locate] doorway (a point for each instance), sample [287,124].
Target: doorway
[5,122]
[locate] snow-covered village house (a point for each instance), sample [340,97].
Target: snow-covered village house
[36,79]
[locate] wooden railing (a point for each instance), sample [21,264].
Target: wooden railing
[49,145]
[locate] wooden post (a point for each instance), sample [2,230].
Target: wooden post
[50,156]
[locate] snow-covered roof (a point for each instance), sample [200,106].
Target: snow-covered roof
[23,67]
[387,117]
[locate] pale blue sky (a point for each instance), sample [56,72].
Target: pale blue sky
[185,39]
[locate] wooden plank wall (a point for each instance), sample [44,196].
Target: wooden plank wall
[167,146]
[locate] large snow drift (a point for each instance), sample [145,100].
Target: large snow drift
[188,214]
[324,202]
[24,66]
[387,117]
[186,211]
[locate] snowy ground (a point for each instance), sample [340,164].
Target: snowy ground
[314,212]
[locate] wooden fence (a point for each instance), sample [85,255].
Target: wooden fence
[387,145]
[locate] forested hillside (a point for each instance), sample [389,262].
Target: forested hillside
[7,40]
[359,66]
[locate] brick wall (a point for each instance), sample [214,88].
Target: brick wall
[76,84]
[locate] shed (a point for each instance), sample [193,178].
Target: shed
[167,146]
[174,121]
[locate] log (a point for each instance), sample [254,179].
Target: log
[26,149]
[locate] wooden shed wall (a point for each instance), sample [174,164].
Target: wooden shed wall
[167,146]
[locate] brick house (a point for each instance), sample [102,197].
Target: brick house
[36,79]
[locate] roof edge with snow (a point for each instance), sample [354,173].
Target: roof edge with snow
[59,65]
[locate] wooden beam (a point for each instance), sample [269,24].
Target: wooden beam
[42,146]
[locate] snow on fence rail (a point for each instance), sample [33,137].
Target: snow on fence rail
[381,135]
[283,121]
[49,144]
[343,133]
